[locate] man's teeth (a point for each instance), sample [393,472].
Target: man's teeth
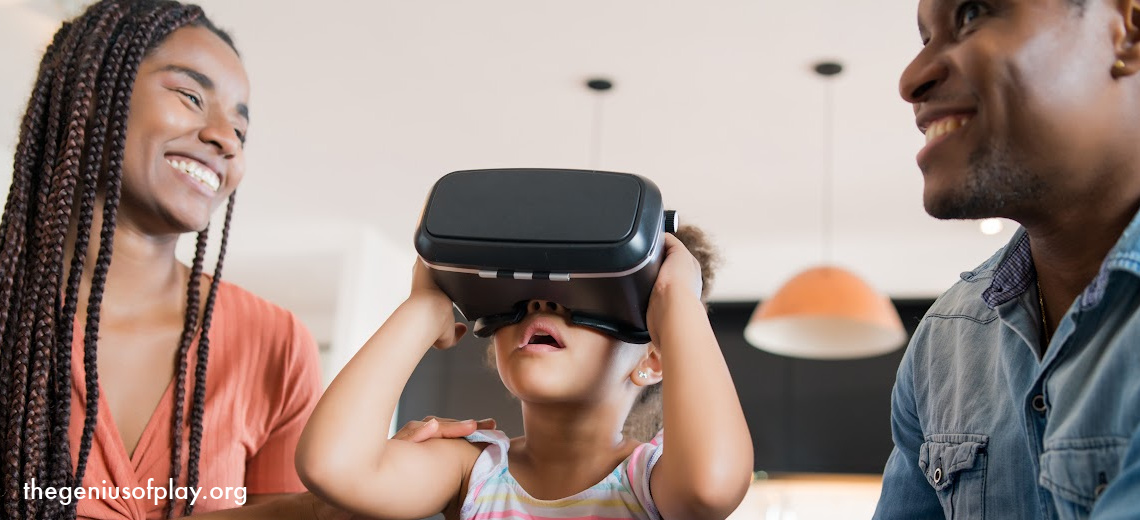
[199,172]
[945,126]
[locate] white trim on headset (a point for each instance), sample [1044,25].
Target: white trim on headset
[556,277]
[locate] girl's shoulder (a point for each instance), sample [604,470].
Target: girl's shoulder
[491,462]
[636,470]
[495,437]
[495,445]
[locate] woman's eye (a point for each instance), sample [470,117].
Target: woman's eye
[967,12]
[193,99]
[240,135]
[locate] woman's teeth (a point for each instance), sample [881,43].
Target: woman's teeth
[945,126]
[198,172]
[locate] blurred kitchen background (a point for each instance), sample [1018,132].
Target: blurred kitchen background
[359,106]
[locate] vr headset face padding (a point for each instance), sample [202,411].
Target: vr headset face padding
[590,241]
[487,326]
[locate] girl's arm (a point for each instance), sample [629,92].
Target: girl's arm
[344,455]
[706,462]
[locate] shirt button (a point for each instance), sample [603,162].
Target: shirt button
[1039,403]
[937,475]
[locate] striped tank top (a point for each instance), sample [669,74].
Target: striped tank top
[493,494]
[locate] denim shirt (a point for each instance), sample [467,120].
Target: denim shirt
[985,428]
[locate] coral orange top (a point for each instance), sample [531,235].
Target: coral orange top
[262,382]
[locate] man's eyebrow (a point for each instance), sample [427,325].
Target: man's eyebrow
[938,6]
[205,82]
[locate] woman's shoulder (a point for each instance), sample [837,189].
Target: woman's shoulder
[239,300]
[252,319]
[255,340]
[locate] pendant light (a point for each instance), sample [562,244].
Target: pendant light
[599,86]
[826,312]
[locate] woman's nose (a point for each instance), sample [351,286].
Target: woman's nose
[221,134]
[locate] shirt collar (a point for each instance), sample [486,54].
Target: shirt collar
[1015,271]
[1124,257]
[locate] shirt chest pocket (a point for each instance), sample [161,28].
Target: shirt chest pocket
[955,466]
[1077,471]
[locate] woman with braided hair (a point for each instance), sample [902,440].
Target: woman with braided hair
[120,367]
[133,136]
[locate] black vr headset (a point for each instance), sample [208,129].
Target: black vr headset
[590,241]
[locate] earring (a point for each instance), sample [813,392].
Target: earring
[642,374]
[1119,66]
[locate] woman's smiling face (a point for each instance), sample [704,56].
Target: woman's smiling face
[185,133]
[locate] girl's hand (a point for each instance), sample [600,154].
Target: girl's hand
[679,268]
[445,329]
[679,277]
[422,283]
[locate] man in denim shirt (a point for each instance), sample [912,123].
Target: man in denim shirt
[1019,396]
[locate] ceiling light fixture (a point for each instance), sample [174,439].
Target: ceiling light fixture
[599,86]
[826,312]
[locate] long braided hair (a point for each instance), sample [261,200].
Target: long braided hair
[70,152]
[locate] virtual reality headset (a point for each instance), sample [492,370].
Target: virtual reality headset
[590,241]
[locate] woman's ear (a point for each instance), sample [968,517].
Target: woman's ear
[648,369]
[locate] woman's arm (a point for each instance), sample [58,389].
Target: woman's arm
[344,455]
[706,462]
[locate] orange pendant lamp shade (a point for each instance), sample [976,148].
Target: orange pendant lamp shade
[826,313]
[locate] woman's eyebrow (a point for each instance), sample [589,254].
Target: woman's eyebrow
[198,77]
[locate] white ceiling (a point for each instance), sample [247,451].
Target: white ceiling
[359,106]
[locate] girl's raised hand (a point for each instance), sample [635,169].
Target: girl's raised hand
[679,277]
[679,268]
[446,330]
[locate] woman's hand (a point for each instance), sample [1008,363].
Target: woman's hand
[445,329]
[432,427]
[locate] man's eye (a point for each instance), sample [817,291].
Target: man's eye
[967,12]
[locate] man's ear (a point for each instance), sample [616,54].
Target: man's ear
[648,369]
[1126,38]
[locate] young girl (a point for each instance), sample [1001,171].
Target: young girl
[576,386]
